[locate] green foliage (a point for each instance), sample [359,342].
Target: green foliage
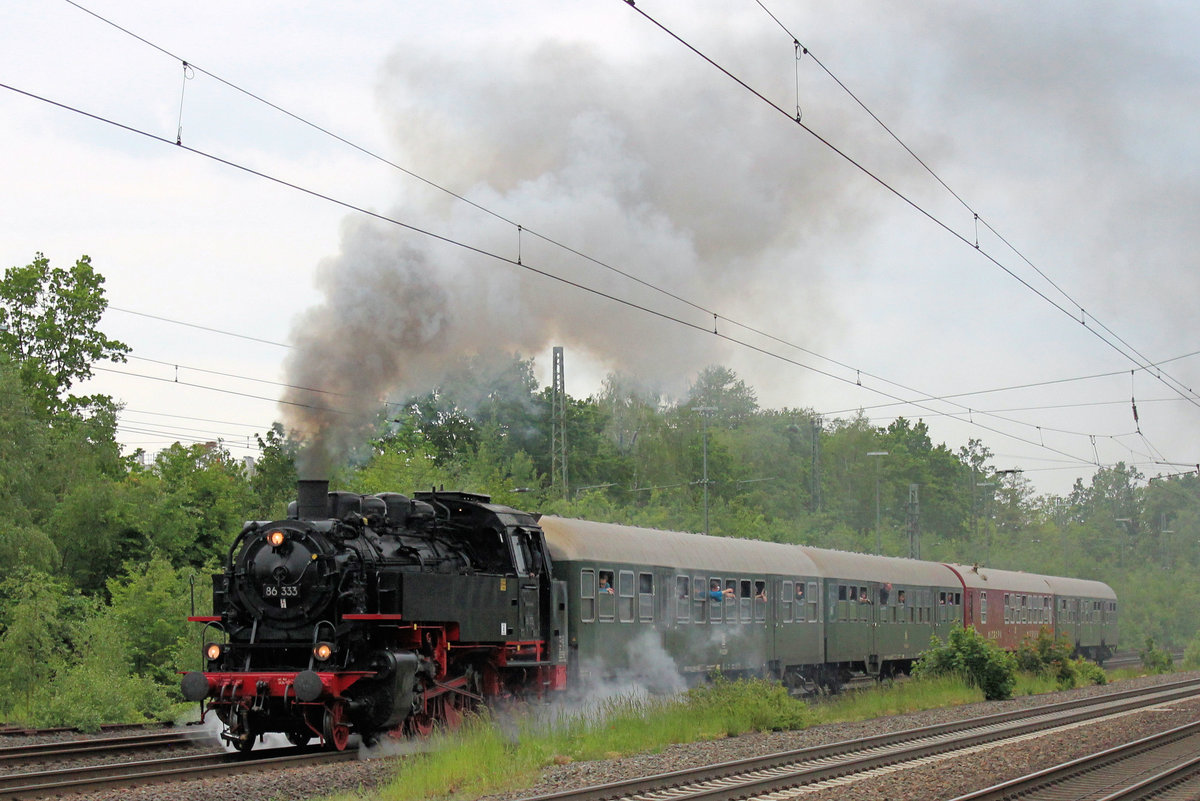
[970,655]
[1191,654]
[274,479]
[487,756]
[748,705]
[1156,660]
[898,698]
[97,687]
[150,605]
[48,328]
[1051,656]
[41,620]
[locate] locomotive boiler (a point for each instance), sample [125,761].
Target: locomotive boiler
[378,613]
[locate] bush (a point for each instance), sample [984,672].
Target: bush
[1156,660]
[99,688]
[1050,656]
[1191,656]
[966,653]
[748,705]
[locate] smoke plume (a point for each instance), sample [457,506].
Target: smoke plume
[632,165]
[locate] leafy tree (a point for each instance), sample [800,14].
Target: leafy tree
[274,478]
[24,452]
[96,686]
[719,388]
[48,327]
[188,504]
[96,532]
[37,637]
[150,605]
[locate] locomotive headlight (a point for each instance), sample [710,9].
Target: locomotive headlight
[322,651]
[276,538]
[212,651]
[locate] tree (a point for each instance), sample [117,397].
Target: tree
[37,633]
[48,327]
[274,478]
[719,388]
[150,604]
[188,505]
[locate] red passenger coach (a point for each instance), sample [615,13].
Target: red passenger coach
[1005,606]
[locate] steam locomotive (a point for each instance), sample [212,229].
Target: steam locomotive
[383,613]
[378,613]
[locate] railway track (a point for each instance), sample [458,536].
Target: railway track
[1127,659]
[84,779]
[12,730]
[773,776]
[40,752]
[1163,766]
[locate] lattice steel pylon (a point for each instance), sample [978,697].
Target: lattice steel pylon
[558,425]
[914,522]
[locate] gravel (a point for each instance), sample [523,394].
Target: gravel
[943,779]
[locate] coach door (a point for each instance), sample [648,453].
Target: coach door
[529,560]
[870,615]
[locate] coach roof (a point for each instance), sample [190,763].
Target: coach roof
[608,543]
[883,569]
[986,578]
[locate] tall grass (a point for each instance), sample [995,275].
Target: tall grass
[489,755]
[899,698]
[492,755]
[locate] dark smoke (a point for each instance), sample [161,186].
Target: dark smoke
[683,204]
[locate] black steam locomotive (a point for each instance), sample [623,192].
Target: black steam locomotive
[377,613]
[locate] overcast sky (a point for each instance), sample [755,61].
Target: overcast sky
[1069,128]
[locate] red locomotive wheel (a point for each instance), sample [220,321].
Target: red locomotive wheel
[453,715]
[335,730]
[421,724]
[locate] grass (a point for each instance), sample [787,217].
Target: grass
[495,755]
[898,698]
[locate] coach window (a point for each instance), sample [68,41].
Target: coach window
[760,600]
[587,595]
[731,601]
[646,597]
[715,607]
[745,600]
[625,596]
[813,599]
[699,599]
[786,594]
[606,597]
[683,599]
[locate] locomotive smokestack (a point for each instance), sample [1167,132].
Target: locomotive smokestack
[312,498]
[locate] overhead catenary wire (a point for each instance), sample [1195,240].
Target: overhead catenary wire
[716,316]
[1159,459]
[500,257]
[1120,348]
[800,50]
